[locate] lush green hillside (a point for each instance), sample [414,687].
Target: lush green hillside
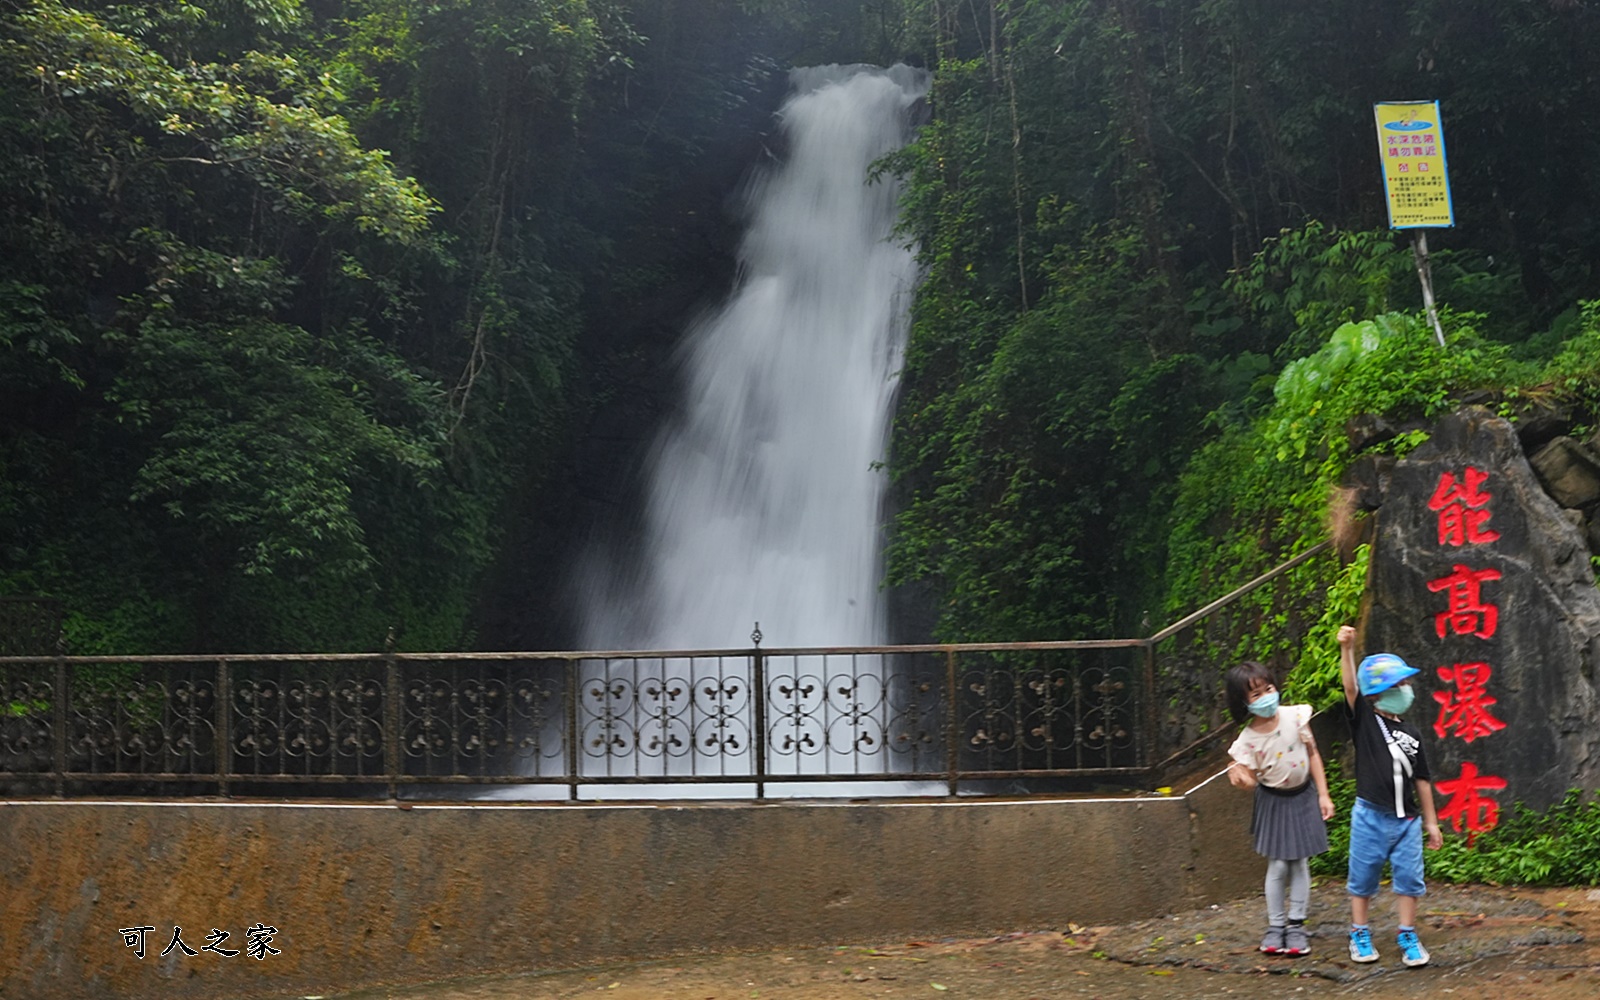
[318,316]
[1138,216]
[303,304]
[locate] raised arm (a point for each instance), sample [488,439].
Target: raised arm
[1347,663]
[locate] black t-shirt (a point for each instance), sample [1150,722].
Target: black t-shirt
[1376,768]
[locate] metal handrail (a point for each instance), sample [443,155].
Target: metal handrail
[950,713]
[1229,598]
[574,655]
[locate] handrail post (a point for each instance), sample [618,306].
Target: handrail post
[952,743]
[224,748]
[1151,709]
[758,696]
[392,723]
[573,674]
[59,720]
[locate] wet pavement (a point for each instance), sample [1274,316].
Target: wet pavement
[1504,944]
[1458,925]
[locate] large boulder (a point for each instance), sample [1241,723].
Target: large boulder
[1480,580]
[1570,472]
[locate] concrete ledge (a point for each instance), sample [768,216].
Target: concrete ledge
[363,895]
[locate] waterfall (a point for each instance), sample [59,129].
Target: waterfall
[765,493]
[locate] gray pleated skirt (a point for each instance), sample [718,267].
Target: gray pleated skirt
[1288,825]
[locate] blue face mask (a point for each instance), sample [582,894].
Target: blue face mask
[1265,706]
[1395,701]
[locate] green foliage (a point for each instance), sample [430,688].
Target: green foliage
[1231,191]
[1573,375]
[222,116]
[1559,846]
[1335,861]
[298,302]
[1312,279]
[257,443]
[120,623]
[1011,485]
[195,254]
[1259,495]
[1315,679]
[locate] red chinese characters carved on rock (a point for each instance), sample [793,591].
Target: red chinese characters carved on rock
[1467,614]
[1463,513]
[1466,709]
[1468,805]
[1463,509]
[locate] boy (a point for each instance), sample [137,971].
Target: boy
[1393,786]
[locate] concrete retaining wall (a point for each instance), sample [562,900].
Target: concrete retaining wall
[366,895]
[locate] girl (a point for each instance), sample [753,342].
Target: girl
[1277,756]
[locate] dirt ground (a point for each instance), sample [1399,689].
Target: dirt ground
[1523,944]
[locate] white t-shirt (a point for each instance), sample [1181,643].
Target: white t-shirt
[1278,757]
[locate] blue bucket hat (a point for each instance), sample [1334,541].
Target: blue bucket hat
[1382,671]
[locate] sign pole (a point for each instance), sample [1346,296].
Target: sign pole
[1416,182]
[1419,252]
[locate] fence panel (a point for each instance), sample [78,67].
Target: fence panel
[304,718]
[1051,710]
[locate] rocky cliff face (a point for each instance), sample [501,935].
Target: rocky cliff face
[1482,580]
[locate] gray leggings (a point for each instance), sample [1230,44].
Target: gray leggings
[1296,875]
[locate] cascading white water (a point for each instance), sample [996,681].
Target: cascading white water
[764,495]
[764,498]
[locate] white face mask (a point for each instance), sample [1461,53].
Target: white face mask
[1396,700]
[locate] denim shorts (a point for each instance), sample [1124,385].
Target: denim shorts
[1377,836]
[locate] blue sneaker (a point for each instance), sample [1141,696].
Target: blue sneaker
[1361,949]
[1412,953]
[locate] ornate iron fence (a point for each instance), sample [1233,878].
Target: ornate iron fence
[749,717]
[930,719]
